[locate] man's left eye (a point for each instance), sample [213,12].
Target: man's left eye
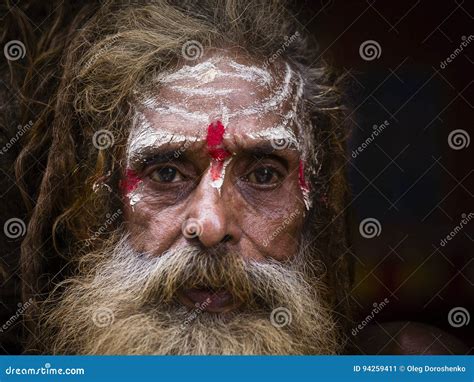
[166,175]
[263,176]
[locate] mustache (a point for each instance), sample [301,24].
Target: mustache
[158,279]
[138,292]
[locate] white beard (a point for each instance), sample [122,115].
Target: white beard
[124,302]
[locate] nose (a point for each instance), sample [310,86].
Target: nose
[209,218]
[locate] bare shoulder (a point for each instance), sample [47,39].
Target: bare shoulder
[405,337]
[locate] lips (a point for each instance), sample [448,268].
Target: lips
[215,301]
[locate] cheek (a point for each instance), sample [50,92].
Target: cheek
[277,239]
[273,227]
[271,221]
[152,229]
[152,220]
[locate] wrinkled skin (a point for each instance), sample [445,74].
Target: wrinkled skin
[245,211]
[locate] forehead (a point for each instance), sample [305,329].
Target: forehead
[242,93]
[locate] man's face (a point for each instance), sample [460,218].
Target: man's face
[210,261]
[214,157]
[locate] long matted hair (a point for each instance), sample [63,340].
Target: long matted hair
[81,71]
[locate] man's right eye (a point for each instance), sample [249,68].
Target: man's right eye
[263,175]
[166,175]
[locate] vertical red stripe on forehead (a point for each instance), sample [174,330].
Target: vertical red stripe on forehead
[215,134]
[215,148]
[214,139]
[129,182]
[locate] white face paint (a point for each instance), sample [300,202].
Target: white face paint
[217,183]
[208,71]
[135,195]
[193,89]
[188,80]
[280,136]
[202,91]
[145,136]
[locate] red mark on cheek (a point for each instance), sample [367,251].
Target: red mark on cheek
[215,148]
[301,178]
[129,182]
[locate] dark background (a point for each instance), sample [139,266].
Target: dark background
[408,178]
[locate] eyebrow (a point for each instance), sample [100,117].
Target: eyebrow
[156,143]
[264,149]
[145,139]
[276,134]
[257,149]
[151,155]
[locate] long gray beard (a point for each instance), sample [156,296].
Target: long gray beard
[124,302]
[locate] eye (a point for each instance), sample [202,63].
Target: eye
[263,176]
[166,175]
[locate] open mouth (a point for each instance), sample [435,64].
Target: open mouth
[215,301]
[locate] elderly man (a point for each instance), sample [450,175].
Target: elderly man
[193,197]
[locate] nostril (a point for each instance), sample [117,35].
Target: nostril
[226,239]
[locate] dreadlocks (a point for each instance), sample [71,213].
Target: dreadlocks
[82,71]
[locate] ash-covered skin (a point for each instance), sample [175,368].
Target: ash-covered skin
[260,183]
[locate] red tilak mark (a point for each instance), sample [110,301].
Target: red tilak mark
[130,182]
[301,178]
[215,148]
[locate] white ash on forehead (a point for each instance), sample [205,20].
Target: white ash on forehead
[202,91]
[290,87]
[278,133]
[144,135]
[208,71]
[175,108]
[286,92]
[277,99]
